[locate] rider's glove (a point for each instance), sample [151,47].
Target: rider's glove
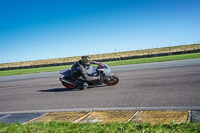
[101,64]
[98,63]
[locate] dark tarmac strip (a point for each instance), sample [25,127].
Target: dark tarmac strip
[17,117]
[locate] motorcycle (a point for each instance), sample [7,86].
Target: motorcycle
[106,76]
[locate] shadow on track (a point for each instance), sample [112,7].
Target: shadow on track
[58,90]
[67,89]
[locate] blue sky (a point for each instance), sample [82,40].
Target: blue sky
[42,29]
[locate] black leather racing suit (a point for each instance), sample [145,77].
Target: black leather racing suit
[79,74]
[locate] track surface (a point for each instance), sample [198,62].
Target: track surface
[173,83]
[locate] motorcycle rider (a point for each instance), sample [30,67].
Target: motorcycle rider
[79,74]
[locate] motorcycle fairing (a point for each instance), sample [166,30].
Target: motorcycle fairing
[65,72]
[106,70]
[91,70]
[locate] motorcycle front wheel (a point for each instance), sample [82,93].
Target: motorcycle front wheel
[113,80]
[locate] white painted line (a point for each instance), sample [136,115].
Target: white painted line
[189,116]
[5,116]
[81,118]
[132,116]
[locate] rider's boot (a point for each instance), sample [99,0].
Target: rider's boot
[85,85]
[79,87]
[82,86]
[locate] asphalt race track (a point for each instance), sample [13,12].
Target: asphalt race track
[156,85]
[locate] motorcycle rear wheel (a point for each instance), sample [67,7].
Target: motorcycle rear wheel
[69,85]
[113,80]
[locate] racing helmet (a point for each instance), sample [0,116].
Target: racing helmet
[85,60]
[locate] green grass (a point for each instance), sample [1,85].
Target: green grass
[154,59]
[33,70]
[110,63]
[66,127]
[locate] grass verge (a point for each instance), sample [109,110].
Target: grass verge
[110,63]
[66,127]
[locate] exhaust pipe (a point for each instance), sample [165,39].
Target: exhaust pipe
[64,80]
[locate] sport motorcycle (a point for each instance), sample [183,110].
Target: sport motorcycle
[106,76]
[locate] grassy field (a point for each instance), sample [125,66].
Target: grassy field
[126,54]
[61,127]
[110,63]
